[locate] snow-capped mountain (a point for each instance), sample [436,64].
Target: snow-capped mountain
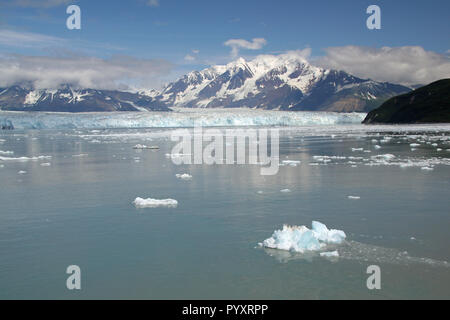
[285,82]
[281,82]
[67,99]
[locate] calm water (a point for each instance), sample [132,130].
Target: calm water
[79,211]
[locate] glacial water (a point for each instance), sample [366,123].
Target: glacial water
[71,203]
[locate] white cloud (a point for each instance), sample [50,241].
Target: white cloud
[27,39]
[406,65]
[39,3]
[189,58]
[153,3]
[236,44]
[81,71]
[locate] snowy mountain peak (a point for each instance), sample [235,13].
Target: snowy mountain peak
[285,81]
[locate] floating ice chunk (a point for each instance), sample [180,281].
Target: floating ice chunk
[354,197]
[301,239]
[438,149]
[377,146]
[298,239]
[25,158]
[386,156]
[427,168]
[328,236]
[357,149]
[292,163]
[46,164]
[285,190]
[184,176]
[155,203]
[142,146]
[6,153]
[414,145]
[22,172]
[329,254]
[79,155]
[434,144]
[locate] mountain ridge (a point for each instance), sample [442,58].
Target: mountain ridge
[285,82]
[273,82]
[427,104]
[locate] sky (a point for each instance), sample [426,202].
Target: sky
[145,43]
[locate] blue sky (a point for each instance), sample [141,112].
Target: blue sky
[191,34]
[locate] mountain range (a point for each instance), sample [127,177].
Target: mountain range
[280,82]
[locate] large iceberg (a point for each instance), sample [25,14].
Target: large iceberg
[302,239]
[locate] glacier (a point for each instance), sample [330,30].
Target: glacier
[180,118]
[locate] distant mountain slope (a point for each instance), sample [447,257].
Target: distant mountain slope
[278,82]
[428,104]
[284,82]
[67,99]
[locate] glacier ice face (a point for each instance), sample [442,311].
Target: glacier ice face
[301,239]
[181,118]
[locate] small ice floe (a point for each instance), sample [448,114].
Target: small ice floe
[386,157]
[434,144]
[6,153]
[2,165]
[183,176]
[330,254]
[142,146]
[80,155]
[22,172]
[357,149]
[427,169]
[285,190]
[292,163]
[377,146]
[374,141]
[23,159]
[260,192]
[438,149]
[301,239]
[354,197]
[414,145]
[155,203]
[46,164]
